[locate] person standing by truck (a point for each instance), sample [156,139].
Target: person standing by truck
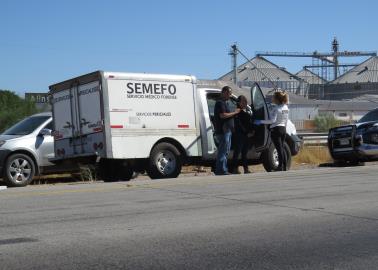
[240,136]
[279,116]
[224,125]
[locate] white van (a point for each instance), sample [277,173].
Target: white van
[128,122]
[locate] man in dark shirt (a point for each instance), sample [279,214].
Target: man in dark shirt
[224,125]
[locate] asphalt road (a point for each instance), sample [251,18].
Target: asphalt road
[309,219]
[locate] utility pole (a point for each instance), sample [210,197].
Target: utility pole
[335,48]
[234,52]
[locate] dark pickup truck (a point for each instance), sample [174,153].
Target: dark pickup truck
[352,144]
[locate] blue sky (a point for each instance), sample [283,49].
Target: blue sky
[43,42]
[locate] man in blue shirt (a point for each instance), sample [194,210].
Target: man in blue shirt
[224,125]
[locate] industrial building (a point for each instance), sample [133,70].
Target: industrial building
[325,78]
[266,74]
[346,91]
[360,81]
[314,83]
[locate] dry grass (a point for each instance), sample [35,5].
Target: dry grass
[313,155]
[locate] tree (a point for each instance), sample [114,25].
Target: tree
[13,109]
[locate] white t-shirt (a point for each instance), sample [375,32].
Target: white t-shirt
[279,115]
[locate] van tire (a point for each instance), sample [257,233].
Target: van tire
[19,170]
[165,161]
[270,158]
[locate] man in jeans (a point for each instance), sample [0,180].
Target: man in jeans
[224,125]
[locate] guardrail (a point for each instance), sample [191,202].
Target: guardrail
[314,138]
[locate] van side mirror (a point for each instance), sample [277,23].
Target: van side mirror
[45,132]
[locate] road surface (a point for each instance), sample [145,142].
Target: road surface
[309,219]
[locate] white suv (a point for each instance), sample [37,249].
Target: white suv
[25,150]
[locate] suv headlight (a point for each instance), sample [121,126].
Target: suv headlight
[2,142]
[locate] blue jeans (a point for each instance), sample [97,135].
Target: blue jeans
[223,151]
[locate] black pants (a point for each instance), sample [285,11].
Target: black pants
[240,147]
[278,137]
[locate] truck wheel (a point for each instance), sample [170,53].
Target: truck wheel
[165,161]
[270,158]
[112,171]
[19,170]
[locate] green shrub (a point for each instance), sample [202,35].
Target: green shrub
[13,109]
[324,122]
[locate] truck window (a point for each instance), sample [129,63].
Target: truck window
[370,116]
[258,101]
[212,99]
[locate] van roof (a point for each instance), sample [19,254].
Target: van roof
[97,75]
[149,76]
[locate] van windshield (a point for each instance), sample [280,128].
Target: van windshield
[26,126]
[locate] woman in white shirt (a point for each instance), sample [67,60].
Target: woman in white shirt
[278,120]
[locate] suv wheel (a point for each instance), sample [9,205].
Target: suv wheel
[19,170]
[270,158]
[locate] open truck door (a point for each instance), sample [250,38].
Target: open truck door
[260,112]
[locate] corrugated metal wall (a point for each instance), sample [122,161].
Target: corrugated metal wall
[349,90]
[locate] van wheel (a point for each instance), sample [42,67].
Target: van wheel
[270,158]
[112,171]
[19,170]
[165,161]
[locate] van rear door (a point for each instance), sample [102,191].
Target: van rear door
[62,113]
[90,108]
[78,117]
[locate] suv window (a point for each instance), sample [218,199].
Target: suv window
[27,125]
[370,116]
